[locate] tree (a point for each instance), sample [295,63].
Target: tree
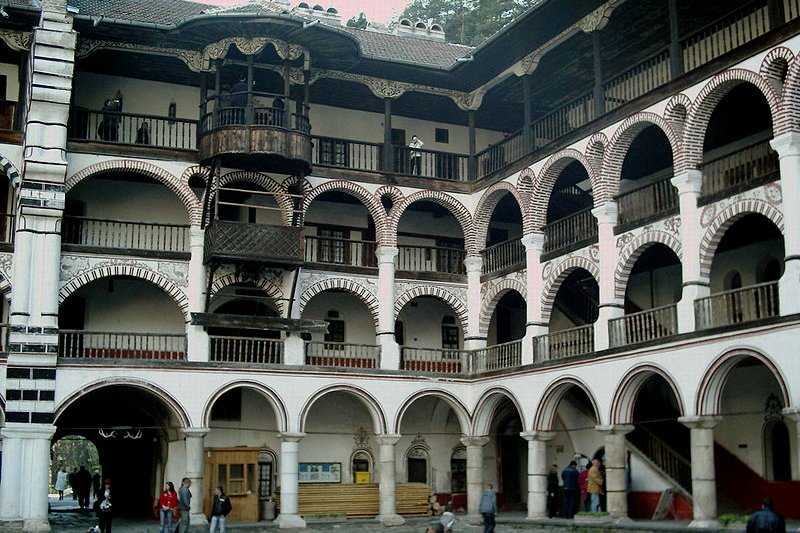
[467,21]
[358,22]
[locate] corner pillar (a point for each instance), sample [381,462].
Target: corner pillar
[474,447]
[473,339]
[386,485]
[616,483]
[195,445]
[290,485]
[196,336]
[390,351]
[609,306]
[704,483]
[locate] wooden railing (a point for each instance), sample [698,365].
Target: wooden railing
[508,255]
[640,79]
[107,345]
[563,120]
[502,154]
[744,168]
[340,251]
[130,128]
[791,9]
[671,463]
[345,153]
[7,227]
[497,357]
[738,306]
[430,259]
[433,360]
[343,355]
[121,234]
[574,230]
[647,325]
[227,349]
[431,164]
[654,200]
[563,344]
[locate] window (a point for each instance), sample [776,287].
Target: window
[334,152]
[335,332]
[442,135]
[417,470]
[332,246]
[458,470]
[449,333]
[266,473]
[361,467]
[236,478]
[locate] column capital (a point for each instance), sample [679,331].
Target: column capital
[786,144]
[195,433]
[688,182]
[615,429]
[14,430]
[386,254]
[474,441]
[700,422]
[291,437]
[533,241]
[792,413]
[608,213]
[473,263]
[196,231]
[542,436]
[388,439]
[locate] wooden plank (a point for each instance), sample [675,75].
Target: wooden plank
[255,322]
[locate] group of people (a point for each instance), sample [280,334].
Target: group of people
[172,504]
[83,483]
[586,486]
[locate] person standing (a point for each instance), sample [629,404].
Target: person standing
[184,505]
[61,482]
[552,492]
[72,478]
[594,485]
[766,520]
[488,508]
[96,485]
[583,480]
[416,156]
[103,507]
[572,490]
[167,502]
[219,510]
[83,480]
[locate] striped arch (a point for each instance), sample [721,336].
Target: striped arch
[274,400]
[525,181]
[676,113]
[13,175]
[545,416]
[707,101]
[5,288]
[268,184]
[438,197]
[271,290]
[634,249]
[775,67]
[543,186]
[371,202]
[596,149]
[135,271]
[712,385]
[486,407]
[446,296]
[624,137]
[173,183]
[628,390]
[486,206]
[724,220]
[454,403]
[346,284]
[790,110]
[558,274]
[170,401]
[494,295]
[379,421]
[195,170]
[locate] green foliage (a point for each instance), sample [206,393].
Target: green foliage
[467,21]
[72,452]
[358,22]
[732,518]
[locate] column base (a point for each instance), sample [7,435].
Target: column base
[390,519]
[11,526]
[36,525]
[704,524]
[290,521]
[197,519]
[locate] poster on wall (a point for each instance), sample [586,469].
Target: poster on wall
[320,472]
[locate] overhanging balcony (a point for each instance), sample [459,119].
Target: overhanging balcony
[253,243]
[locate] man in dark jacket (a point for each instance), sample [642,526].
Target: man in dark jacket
[766,520]
[552,492]
[571,489]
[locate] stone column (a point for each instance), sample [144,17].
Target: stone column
[474,475]
[390,351]
[695,286]
[704,487]
[616,484]
[196,336]
[788,147]
[386,469]
[534,325]
[294,349]
[610,306]
[194,439]
[537,472]
[289,517]
[473,339]
[26,473]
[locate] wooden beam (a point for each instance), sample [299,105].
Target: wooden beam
[220,320]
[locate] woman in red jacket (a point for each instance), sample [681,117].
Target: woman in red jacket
[167,502]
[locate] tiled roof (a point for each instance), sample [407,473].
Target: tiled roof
[166,12]
[397,48]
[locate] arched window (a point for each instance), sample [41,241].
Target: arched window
[417,461]
[777,451]
[267,470]
[361,466]
[449,333]
[458,470]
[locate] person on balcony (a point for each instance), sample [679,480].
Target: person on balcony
[239,100]
[278,108]
[107,130]
[416,156]
[143,133]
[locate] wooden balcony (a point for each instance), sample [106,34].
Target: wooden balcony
[344,252]
[504,257]
[75,344]
[438,360]
[644,326]
[738,306]
[126,237]
[569,233]
[231,349]
[430,259]
[132,129]
[646,203]
[280,246]
[563,344]
[742,169]
[343,355]
[507,355]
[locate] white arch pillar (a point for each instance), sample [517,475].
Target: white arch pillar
[390,351]
[195,445]
[196,336]
[704,483]
[474,447]
[609,306]
[534,325]
[616,484]
[788,147]
[472,337]
[386,457]
[537,472]
[290,485]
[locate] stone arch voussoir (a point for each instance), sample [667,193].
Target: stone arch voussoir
[369,401]
[771,69]
[559,273]
[435,291]
[634,249]
[494,295]
[486,206]
[545,416]
[458,210]
[628,389]
[677,111]
[345,284]
[371,202]
[270,288]
[543,186]
[267,183]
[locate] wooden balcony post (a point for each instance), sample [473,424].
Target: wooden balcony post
[616,486]
[776,13]
[534,325]
[196,336]
[472,164]
[788,147]
[695,285]
[473,339]
[527,101]
[704,487]
[390,351]
[388,150]
[537,471]
[610,306]
[249,113]
[675,51]
[597,62]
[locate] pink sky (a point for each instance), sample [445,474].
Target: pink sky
[376,10]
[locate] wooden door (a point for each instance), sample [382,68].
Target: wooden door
[236,470]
